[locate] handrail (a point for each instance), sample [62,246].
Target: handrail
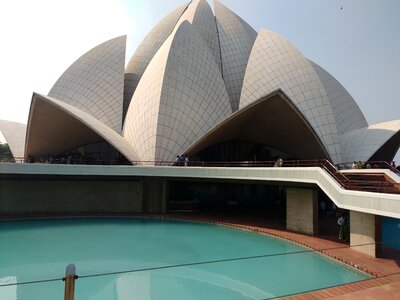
[379,164]
[291,163]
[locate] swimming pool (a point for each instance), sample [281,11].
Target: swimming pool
[219,262]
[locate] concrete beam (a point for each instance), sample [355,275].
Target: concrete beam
[154,195]
[367,202]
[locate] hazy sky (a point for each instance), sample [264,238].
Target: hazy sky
[359,44]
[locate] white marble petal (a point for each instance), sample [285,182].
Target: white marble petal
[87,123]
[275,64]
[236,41]
[347,114]
[94,83]
[200,15]
[14,133]
[181,96]
[146,51]
[361,144]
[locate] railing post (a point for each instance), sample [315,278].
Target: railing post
[70,276]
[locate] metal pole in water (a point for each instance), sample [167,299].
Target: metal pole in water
[70,282]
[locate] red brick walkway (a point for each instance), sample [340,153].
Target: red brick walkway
[386,271]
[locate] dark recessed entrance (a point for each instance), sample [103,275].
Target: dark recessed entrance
[93,153]
[228,198]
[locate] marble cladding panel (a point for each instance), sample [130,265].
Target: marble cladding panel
[275,64]
[95,83]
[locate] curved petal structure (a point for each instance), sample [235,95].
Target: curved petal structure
[95,83]
[275,64]
[294,136]
[14,133]
[146,51]
[208,87]
[375,142]
[66,127]
[200,15]
[180,97]
[236,41]
[347,114]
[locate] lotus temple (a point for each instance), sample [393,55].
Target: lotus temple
[211,88]
[255,118]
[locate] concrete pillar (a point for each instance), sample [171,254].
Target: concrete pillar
[154,195]
[165,191]
[302,210]
[365,230]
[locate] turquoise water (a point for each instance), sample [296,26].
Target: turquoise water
[40,250]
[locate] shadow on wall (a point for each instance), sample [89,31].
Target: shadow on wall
[391,233]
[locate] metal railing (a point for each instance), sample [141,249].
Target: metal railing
[72,161]
[268,163]
[70,277]
[367,165]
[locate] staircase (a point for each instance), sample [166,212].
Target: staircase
[372,182]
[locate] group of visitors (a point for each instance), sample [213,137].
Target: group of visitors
[67,159]
[72,159]
[360,165]
[181,160]
[366,165]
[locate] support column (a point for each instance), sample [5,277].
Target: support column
[164,194]
[154,195]
[365,229]
[302,210]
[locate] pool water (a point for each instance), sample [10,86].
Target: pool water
[40,250]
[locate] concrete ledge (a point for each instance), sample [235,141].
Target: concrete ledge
[367,202]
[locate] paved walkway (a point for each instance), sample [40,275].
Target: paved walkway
[386,271]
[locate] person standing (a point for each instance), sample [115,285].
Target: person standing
[340,223]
